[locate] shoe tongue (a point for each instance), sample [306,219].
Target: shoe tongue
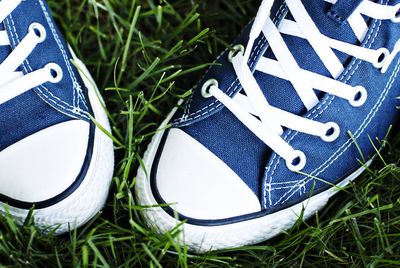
[280,93]
[4,50]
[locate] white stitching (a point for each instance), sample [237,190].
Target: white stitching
[76,85]
[55,100]
[51,99]
[322,105]
[186,118]
[348,143]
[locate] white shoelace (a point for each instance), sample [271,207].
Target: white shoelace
[269,126]
[13,82]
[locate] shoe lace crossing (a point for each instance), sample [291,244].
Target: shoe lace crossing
[270,122]
[12,81]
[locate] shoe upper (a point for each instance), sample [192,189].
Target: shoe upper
[44,108]
[243,174]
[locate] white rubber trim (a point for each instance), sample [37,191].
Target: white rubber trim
[187,170]
[89,198]
[205,238]
[35,162]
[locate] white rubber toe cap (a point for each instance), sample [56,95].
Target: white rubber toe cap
[198,183]
[44,164]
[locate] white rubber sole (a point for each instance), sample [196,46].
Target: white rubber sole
[205,238]
[87,200]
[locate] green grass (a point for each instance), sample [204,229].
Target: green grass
[145,55]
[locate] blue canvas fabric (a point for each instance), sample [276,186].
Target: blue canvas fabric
[49,103]
[261,169]
[5,50]
[342,10]
[331,162]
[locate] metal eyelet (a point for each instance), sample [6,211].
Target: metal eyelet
[359,97]
[205,89]
[236,49]
[55,72]
[332,132]
[39,31]
[396,18]
[382,56]
[297,162]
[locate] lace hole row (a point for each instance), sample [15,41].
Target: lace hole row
[55,71]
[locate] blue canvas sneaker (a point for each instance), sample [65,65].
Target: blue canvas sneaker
[307,90]
[53,158]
